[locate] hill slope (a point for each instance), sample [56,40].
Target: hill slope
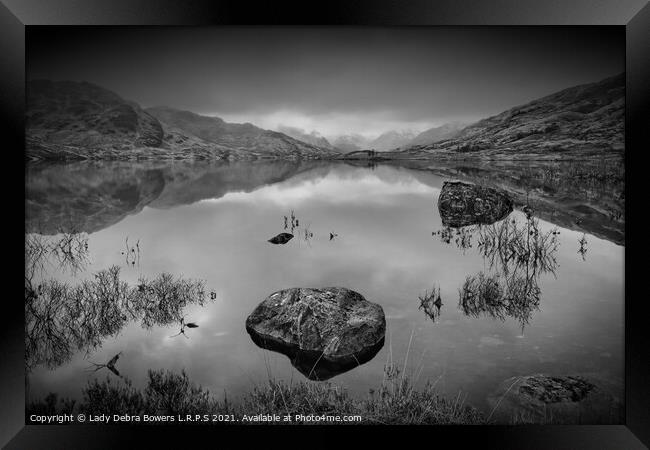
[71,114]
[186,129]
[391,139]
[387,141]
[313,138]
[446,131]
[588,117]
[350,142]
[79,120]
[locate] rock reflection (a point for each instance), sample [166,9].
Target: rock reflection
[323,331]
[586,195]
[313,365]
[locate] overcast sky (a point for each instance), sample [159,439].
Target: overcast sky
[333,80]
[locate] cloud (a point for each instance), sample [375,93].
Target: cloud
[334,80]
[330,125]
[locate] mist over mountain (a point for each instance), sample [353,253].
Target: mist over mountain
[389,140]
[351,142]
[392,139]
[313,137]
[80,120]
[239,139]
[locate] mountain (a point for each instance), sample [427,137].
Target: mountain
[351,142]
[79,120]
[313,138]
[446,131]
[183,128]
[72,114]
[391,140]
[584,119]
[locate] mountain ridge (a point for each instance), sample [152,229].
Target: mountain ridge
[80,120]
[70,120]
[440,133]
[313,138]
[392,139]
[583,117]
[230,136]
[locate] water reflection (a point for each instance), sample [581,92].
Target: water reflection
[110,365]
[214,221]
[314,365]
[183,326]
[431,303]
[90,196]
[498,297]
[517,254]
[66,251]
[61,319]
[132,253]
[584,195]
[510,246]
[295,223]
[462,237]
[308,234]
[583,246]
[292,223]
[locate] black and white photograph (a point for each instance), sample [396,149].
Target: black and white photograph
[296,225]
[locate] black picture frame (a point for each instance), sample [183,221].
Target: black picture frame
[16,15]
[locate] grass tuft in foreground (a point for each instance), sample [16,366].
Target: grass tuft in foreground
[395,401]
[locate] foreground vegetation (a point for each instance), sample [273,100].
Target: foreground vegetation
[395,401]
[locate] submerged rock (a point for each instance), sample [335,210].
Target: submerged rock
[461,204]
[541,399]
[281,238]
[323,331]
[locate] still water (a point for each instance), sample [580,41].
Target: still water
[370,229]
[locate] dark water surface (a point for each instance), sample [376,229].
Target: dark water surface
[212,222]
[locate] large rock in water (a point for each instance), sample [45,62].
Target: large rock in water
[323,331]
[546,399]
[461,204]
